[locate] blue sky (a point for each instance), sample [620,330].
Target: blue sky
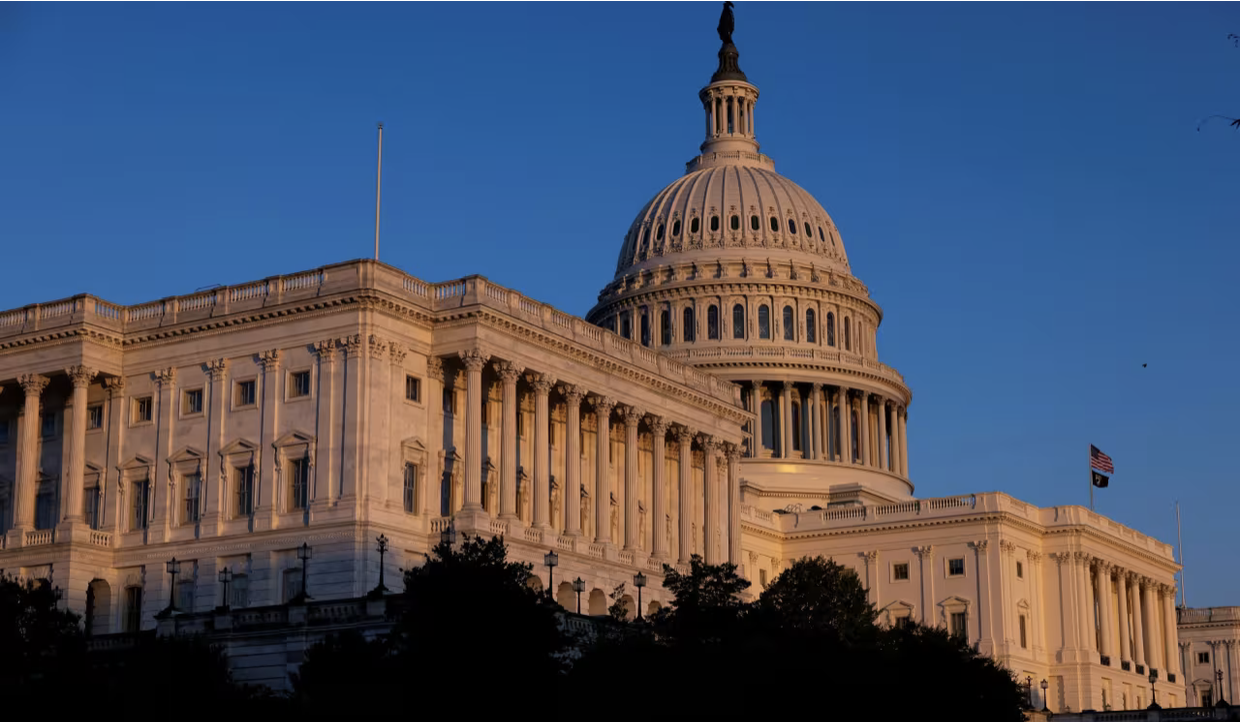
[1023,188]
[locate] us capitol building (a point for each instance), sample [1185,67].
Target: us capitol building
[725,397]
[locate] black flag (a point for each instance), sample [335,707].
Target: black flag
[1101,480]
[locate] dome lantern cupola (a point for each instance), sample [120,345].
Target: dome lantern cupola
[729,102]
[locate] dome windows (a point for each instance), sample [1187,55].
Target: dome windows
[790,327]
[712,323]
[665,327]
[809,233]
[714,223]
[847,336]
[735,222]
[811,334]
[687,327]
[755,224]
[820,236]
[764,321]
[658,234]
[695,224]
[792,226]
[738,321]
[774,224]
[830,329]
[676,227]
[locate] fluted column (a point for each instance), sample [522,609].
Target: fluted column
[684,437]
[75,464]
[893,439]
[785,415]
[602,481]
[508,373]
[756,452]
[658,483]
[1085,608]
[163,492]
[734,504]
[883,444]
[572,463]
[902,420]
[1149,625]
[474,361]
[1104,604]
[1067,598]
[815,420]
[710,508]
[632,418]
[926,572]
[542,384]
[1125,651]
[28,458]
[1138,624]
[863,424]
[845,413]
[1166,593]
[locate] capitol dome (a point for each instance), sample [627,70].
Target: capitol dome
[738,271]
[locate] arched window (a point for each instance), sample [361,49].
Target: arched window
[754,223]
[645,321]
[738,321]
[790,324]
[792,226]
[658,235]
[796,422]
[830,328]
[676,227]
[854,437]
[769,426]
[665,327]
[774,224]
[714,223]
[811,333]
[695,225]
[847,338]
[735,222]
[686,327]
[712,323]
[764,322]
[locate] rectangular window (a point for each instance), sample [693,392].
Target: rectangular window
[140,504]
[411,488]
[902,622]
[299,481]
[185,595]
[899,572]
[239,591]
[245,490]
[298,384]
[191,402]
[47,428]
[1203,658]
[193,497]
[959,625]
[133,609]
[955,567]
[245,394]
[143,409]
[1020,570]
[45,506]
[413,389]
[91,507]
[94,416]
[1024,644]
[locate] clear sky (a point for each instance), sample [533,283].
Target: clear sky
[1022,187]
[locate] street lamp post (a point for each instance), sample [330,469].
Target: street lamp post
[448,535]
[579,586]
[639,581]
[174,568]
[225,578]
[383,545]
[1218,675]
[1044,700]
[551,559]
[1029,691]
[304,553]
[1153,691]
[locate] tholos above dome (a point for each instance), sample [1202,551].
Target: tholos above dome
[728,211]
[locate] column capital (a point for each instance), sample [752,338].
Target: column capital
[789,386]
[1184,646]
[326,349]
[270,360]
[474,359]
[926,552]
[980,544]
[816,386]
[216,368]
[1103,565]
[541,383]
[81,375]
[602,405]
[1061,558]
[115,385]
[1008,547]
[354,346]
[572,393]
[1147,584]
[1035,556]
[434,368]
[378,346]
[397,352]
[1081,557]
[633,415]
[507,371]
[685,434]
[658,424]
[166,376]
[732,451]
[709,443]
[870,556]
[1131,576]
[33,383]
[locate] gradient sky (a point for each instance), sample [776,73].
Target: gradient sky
[1023,188]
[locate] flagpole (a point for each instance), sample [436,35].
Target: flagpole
[378,185]
[1180,541]
[1091,478]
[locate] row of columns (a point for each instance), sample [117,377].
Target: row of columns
[717,110]
[1145,607]
[888,452]
[717,453]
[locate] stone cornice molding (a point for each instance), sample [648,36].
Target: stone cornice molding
[81,376]
[507,371]
[216,368]
[33,384]
[474,359]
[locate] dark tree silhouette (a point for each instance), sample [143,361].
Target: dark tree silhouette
[43,645]
[818,596]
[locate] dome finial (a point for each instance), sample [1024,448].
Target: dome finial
[729,56]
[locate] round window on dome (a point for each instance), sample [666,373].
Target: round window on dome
[658,235]
[676,228]
[755,223]
[792,226]
[695,225]
[735,222]
[774,224]
[714,223]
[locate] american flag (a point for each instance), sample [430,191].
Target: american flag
[1100,461]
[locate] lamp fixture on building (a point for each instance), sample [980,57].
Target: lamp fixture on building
[448,535]
[551,559]
[382,548]
[579,586]
[1044,700]
[225,577]
[1218,675]
[304,553]
[639,581]
[1153,692]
